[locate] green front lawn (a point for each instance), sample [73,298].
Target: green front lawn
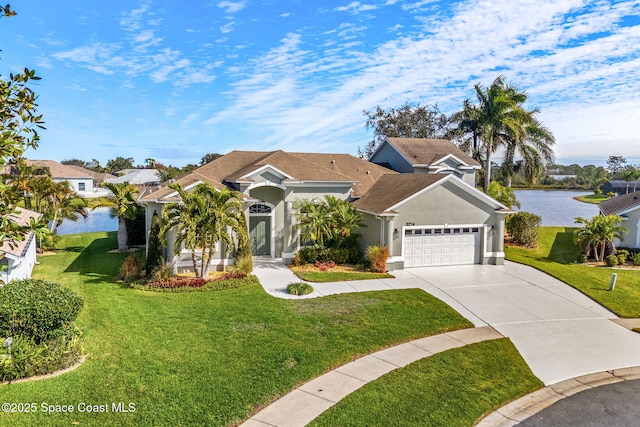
[336,274]
[479,379]
[205,358]
[592,198]
[556,254]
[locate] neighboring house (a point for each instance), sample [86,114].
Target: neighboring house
[144,179]
[20,257]
[80,179]
[424,218]
[561,177]
[417,155]
[620,187]
[628,207]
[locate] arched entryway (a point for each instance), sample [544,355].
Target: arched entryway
[260,228]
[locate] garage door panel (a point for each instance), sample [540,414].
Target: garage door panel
[430,247]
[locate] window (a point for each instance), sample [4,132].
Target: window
[437,231]
[259,209]
[447,231]
[81,186]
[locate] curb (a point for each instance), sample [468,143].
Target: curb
[519,410]
[47,376]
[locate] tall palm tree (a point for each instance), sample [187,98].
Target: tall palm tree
[534,149]
[123,202]
[498,118]
[203,217]
[23,177]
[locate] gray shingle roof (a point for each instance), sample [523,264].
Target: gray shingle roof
[421,151]
[22,218]
[620,204]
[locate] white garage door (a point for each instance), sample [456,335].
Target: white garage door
[424,247]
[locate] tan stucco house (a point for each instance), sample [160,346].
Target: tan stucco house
[420,204]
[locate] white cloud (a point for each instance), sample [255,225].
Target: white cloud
[566,54]
[231,6]
[227,28]
[356,7]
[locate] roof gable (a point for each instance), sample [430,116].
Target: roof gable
[422,152]
[393,191]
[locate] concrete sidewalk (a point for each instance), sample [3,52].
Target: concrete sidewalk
[305,403]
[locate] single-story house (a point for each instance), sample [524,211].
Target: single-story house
[620,187]
[19,257]
[430,215]
[144,179]
[628,207]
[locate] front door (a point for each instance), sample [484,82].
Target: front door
[260,234]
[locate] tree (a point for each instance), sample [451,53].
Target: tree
[203,217]
[19,124]
[75,162]
[533,147]
[500,119]
[326,223]
[123,203]
[207,158]
[504,195]
[615,164]
[155,253]
[60,203]
[408,121]
[598,232]
[23,177]
[118,164]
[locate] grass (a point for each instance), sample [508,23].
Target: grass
[337,274]
[556,254]
[479,379]
[592,198]
[205,358]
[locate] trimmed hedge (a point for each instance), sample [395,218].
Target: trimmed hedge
[36,308]
[349,255]
[524,228]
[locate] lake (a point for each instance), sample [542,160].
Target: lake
[98,220]
[556,207]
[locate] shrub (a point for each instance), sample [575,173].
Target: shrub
[244,264]
[299,288]
[161,272]
[36,308]
[178,282]
[155,253]
[611,260]
[348,255]
[636,259]
[524,228]
[132,269]
[582,258]
[29,358]
[622,255]
[377,256]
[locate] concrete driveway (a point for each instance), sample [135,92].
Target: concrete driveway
[560,332]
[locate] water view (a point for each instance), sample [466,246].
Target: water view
[556,207]
[98,220]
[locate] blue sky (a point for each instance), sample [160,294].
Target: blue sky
[173,80]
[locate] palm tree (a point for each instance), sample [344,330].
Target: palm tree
[203,217]
[23,177]
[123,203]
[328,222]
[534,148]
[597,232]
[498,119]
[64,203]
